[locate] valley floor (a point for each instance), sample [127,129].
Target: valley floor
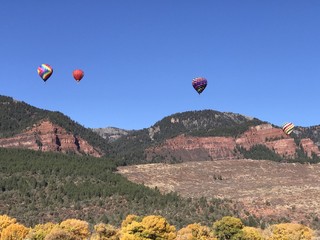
[266,189]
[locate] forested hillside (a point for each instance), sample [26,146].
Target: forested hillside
[16,116]
[312,132]
[40,187]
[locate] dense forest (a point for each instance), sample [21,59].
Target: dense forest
[40,187]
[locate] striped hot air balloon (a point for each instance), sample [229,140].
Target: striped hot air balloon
[288,128]
[45,71]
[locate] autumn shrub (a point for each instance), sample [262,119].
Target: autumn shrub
[40,231]
[104,231]
[290,231]
[78,229]
[194,232]
[129,219]
[14,231]
[251,233]
[59,234]
[5,221]
[151,227]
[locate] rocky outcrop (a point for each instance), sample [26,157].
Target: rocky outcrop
[111,133]
[195,148]
[188,148]
[309,147]
[46,136]
[274,138]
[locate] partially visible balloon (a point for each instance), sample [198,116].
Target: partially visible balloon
[288,128]
[199,84]
[45,71]
[78,74]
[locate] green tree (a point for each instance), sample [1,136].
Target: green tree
[228,228]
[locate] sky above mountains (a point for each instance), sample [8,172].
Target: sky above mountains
[261,58]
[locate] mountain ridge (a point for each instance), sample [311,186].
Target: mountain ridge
[209,127]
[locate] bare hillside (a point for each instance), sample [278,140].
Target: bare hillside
[265,188]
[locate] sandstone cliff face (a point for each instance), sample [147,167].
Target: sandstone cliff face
[187,148]
[46,136]
[309,147]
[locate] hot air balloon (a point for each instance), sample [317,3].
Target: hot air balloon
[288,128]
[199,84]
[45,71]
[78,74]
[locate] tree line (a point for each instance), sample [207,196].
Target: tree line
[153,227]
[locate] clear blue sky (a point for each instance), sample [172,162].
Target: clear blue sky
[261,58]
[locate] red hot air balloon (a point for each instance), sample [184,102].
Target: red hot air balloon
[78,74]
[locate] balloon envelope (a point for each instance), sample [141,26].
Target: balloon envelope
[45,71]
[199,84]
[288,128]
[78,74]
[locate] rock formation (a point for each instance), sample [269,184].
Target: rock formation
[46,136]
[189,148]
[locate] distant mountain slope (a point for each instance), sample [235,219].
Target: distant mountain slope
[131,147]
[312,132]
[209,135]
[188,136]
[17,116]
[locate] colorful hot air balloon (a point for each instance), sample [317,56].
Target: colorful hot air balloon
[78,74]
[199,84]
[288,128]
[45,71]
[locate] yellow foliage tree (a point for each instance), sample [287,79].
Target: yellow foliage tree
[78,229]
[129,219]
[14,231]
[195,232]
[40,231]
[251,233]
[105,231]
[290,231]
[59,234]
[151,227]
[5,221]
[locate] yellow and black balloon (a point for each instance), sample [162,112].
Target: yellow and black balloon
[288,128]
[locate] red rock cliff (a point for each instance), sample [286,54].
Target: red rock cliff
[187,148]
[47,136]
